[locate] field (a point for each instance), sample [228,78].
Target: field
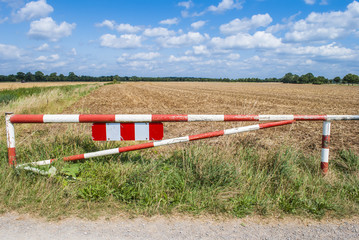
[272,172]
[236,98]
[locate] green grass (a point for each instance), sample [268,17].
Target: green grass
[9,95]
[197,179]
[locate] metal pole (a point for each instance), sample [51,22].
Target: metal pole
[10,137]
[324,165]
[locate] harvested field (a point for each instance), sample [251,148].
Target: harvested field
[236,98]
[15,85]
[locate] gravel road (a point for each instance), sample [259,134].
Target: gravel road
[13,226]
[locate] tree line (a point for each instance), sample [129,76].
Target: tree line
[39,76]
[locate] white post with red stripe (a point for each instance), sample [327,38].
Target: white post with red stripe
[324,165]
[165,142]
[10,137]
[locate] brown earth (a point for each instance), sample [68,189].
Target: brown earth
[236,98]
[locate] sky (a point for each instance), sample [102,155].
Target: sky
[195,38]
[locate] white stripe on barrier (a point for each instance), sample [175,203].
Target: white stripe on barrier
[113,131]
[171,141]
[241,129]
[196,118]
[325,155]
[142,131]
[133,118]
[101,153]
[275,117]
[326,128]
[342,117]
[67,118]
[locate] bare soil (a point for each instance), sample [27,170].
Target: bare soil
[236,98]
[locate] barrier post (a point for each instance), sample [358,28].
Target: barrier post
[324,165]
[10,137]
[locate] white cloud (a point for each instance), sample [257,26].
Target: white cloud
[186,5]
[33,10]
[182,59]
[324,2]
[244,40]
[124,27]
[9,52]
[170,21]
[146,56]
[3,20]
[106,23]
[244,25]
[225,5]
[124,41]
[43,47]
[324,26]
[329,51]
[158,32]
[73,51]
[200,50]
[50,58]
[198,24]
[234,56]
[310,2]
[46,28]
[182,40]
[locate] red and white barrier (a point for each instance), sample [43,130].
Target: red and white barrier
[165,142]
[149,118]
[324,165]
[85,118]
[127,131]
[10,137]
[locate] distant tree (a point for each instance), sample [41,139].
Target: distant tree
[62,77]
[53,77]
[72,77]
[11,78]
[337,79]
[320,80]
[307,78]
[351,78]
[20,76]
[39,76]
[29,77]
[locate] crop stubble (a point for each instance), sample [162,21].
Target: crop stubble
[236,98]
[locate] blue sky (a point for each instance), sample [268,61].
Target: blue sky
[196,38]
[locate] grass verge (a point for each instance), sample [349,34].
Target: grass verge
[231,180]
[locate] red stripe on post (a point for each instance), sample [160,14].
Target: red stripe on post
[26,118]
[96,118]
[99,132]
[156,131]
[170,118]
[324,166]
[310,117]
[128,131]
[136,147]
[206,135]
[241,117]
[273,124]
[325,141]
[12,156]
[74,157]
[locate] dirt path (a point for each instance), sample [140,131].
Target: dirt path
[13,226]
